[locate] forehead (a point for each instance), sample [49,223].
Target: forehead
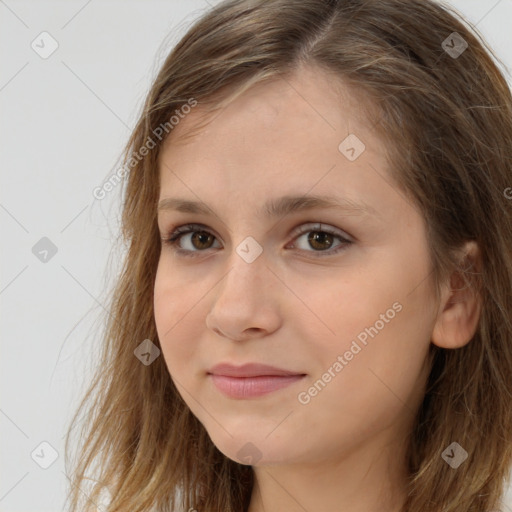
[279,137]
[310,95]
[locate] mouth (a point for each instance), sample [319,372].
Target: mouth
[251,380]
[252,387]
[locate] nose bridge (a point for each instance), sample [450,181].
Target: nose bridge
[247,265]
[249,250]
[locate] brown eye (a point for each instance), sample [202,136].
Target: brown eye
[320,240]
[201,239]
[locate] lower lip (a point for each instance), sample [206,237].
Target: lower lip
[249,387]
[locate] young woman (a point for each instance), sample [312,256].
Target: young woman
[315,311]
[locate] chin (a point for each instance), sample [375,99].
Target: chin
[250,448]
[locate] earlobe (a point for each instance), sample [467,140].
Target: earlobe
[460,306]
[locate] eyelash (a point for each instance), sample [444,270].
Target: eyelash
[175,236]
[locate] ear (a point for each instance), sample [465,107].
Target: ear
[460,306]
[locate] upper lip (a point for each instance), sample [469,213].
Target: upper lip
[249,370]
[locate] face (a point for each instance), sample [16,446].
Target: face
[338,296]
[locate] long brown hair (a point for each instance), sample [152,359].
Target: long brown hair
[446,112]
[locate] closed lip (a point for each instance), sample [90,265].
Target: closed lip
[250,370]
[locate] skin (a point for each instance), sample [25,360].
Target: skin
[345,449]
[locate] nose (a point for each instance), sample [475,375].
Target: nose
[247,301]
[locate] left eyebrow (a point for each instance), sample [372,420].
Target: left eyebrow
[279,207]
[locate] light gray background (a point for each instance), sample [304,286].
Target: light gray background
[64,122]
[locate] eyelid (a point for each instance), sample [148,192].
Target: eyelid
[299,230]
[176,232]
[186,228]
[320,226]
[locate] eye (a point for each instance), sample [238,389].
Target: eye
[197,238]
[321,238]
[200,239]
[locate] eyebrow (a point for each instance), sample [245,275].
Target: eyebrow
[279,207]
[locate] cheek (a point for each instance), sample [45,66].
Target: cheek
[378,379]
[379,320]
[176,305]
[336,309]
[392,363]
